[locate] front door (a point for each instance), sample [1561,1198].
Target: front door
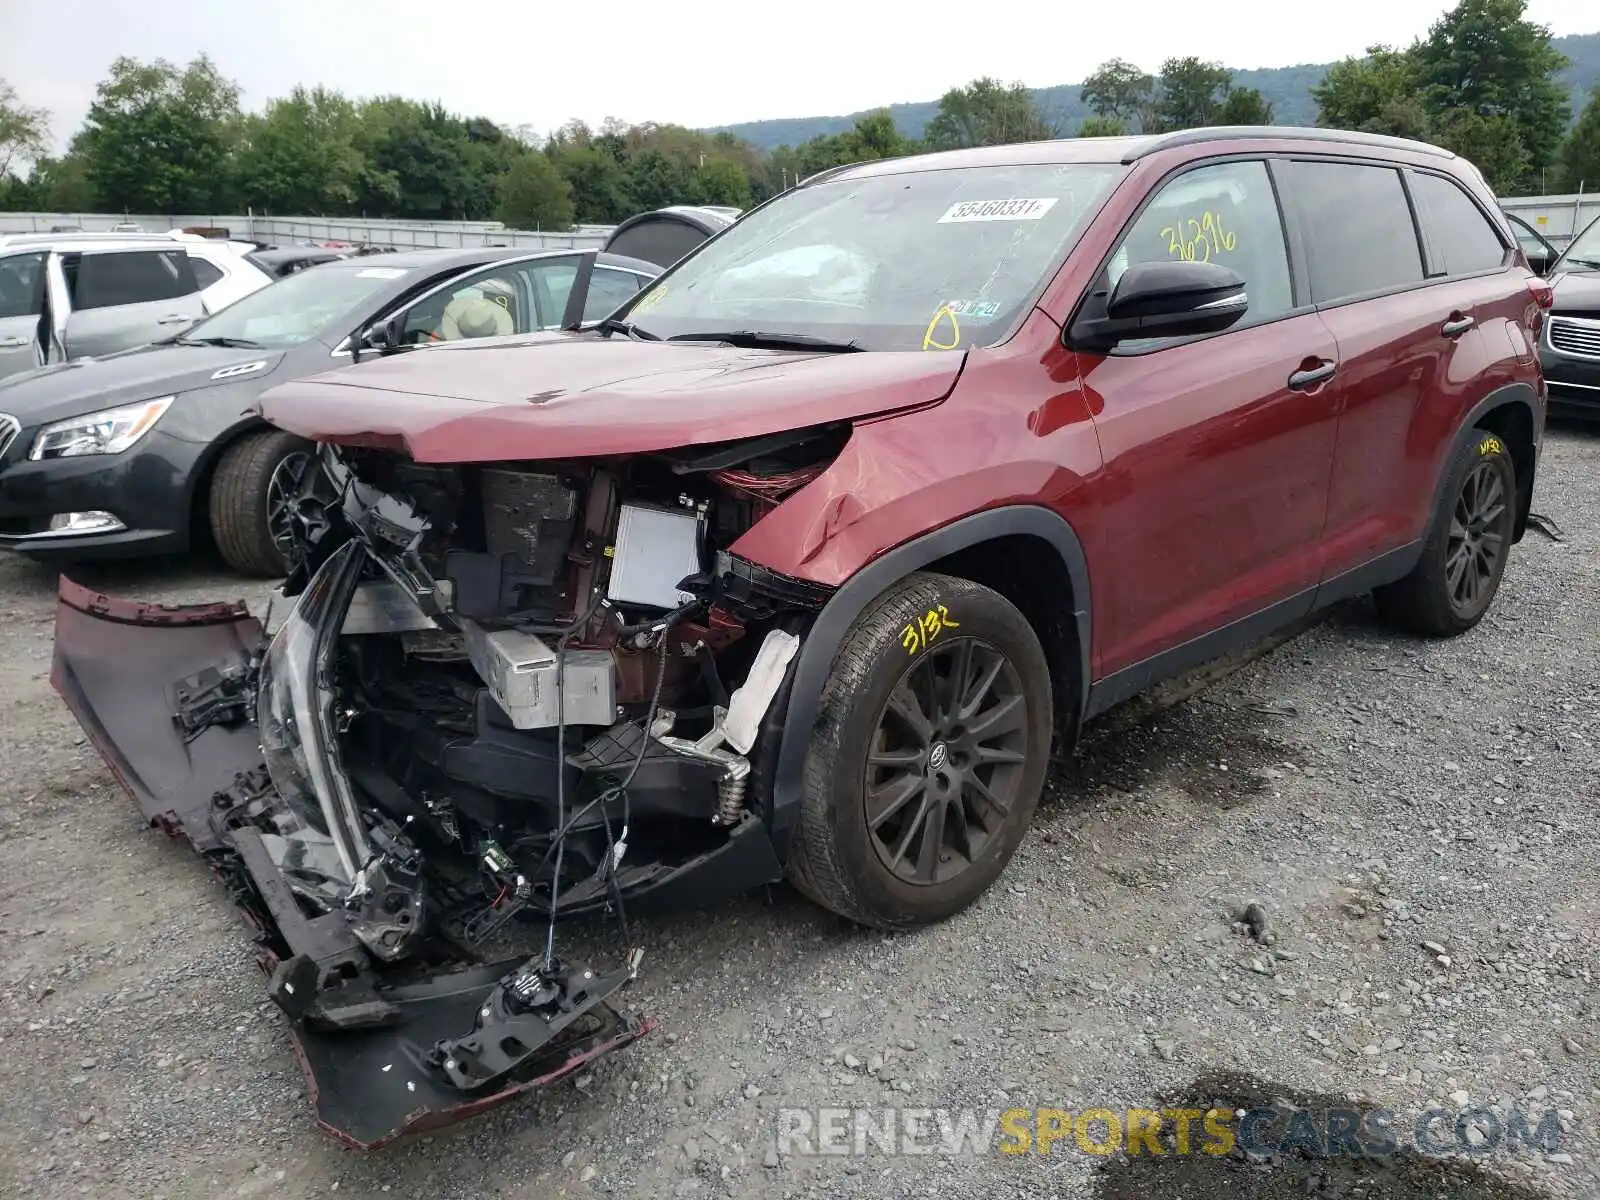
[22,283]
[1217,450]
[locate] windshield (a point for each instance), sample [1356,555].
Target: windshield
[298,308]
[929,260]
[1584,253]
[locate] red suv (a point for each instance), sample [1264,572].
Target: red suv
[805,559]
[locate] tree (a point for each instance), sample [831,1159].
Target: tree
[533,195]
[1366,93]
[1245,106]
[160,139]
[300,155]
[1492,144]
[1102,127]
[986,113]
[24,132]
[61,184]
[598,180]
[1189,94]
[656,180]
[876,136]
[719,182]
[1580,153]
[1485,59]
[421,163]
[1118,89]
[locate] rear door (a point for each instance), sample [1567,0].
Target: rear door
[1421,336]
[22,291]
[1217,449]
[122,298]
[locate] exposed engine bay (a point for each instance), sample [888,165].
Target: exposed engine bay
[507,692]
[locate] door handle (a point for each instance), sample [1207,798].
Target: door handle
[1308,376]
[174,319]
[13,341]
[1456,326]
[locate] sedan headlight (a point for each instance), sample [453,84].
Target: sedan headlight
[109,432]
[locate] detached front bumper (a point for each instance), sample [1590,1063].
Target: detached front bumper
[370,1052]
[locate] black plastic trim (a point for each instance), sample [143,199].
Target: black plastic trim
[827,633]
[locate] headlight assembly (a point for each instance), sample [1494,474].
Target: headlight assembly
[108,432]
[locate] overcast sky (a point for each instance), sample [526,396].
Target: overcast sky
[537,64]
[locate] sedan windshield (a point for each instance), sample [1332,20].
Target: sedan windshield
[304,306]
[1584,253]
[924,260]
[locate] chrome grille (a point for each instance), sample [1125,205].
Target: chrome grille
[1573,335]
[9,428]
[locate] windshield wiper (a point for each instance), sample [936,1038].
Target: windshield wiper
[615,325]
[231,343]
[1587,263]
[770,341]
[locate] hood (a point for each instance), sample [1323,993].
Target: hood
[1577,292]
[86,385]
[580,395]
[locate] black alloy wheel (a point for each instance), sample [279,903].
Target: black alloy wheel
[945,761]
[1480,530]
[282,488]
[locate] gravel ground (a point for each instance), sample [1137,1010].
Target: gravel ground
[1371,793]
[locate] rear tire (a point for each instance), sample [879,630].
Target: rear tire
[1463,560]
[247,492]
[928,755]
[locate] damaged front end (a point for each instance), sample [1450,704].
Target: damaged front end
[500,697]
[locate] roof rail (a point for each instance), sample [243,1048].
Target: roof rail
[1299,133]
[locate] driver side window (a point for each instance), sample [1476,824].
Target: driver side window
[514,298]
[1226,214]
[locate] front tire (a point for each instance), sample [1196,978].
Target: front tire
[928,755]
[254,480]
[1462,562]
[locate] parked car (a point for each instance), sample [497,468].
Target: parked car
[1570,351]
[802,563]
[286,260]
[131,454]
[64,298]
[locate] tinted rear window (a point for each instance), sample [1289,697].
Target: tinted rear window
[1359,234]
[1460,238]
[135,277]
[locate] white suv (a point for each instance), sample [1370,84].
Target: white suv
[63,298]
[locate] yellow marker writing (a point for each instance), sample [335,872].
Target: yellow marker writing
[944,314]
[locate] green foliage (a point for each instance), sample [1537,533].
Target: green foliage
[160,139]
[1580,153]
[24,133]
[300,155]
[1369,93]
[533,195]
[986,113]
[1102,127]
[1190,93]
[1484,59]
[1245,106]
[1492,144]
[1117,90]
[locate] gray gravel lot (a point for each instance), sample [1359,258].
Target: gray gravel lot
[1370,792]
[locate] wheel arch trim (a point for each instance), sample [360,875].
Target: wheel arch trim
[820,645]
[1506,396]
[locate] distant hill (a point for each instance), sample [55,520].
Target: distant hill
[1287,89]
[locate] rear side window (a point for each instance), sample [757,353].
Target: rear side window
[1359,234]
[21,285]
[205,274]
[1460,238]
[608,290]
[135,277]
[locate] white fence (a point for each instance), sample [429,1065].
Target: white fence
[1558,219]
[290,230]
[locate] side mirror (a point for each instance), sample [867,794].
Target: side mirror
[1164,299]
[382,336]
